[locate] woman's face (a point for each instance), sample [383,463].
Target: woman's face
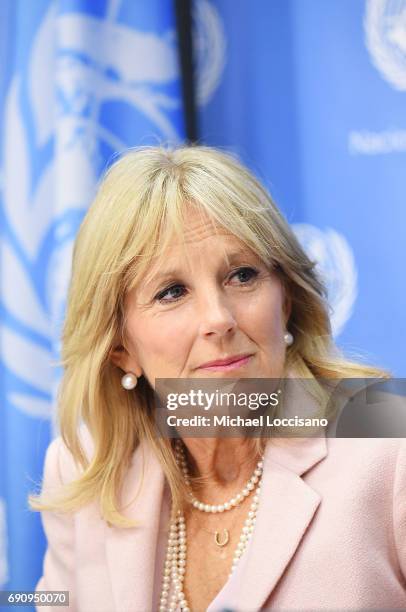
[198,309]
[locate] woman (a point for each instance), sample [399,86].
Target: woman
[184,268]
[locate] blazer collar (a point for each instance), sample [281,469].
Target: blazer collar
[298,455]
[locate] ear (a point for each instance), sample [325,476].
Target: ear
[122,358]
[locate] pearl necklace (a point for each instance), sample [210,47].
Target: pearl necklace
[176,551]
[235,501]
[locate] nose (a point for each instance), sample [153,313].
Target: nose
[216,316]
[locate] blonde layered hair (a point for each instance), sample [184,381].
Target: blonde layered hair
[141,202]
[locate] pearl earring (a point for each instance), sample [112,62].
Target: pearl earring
[129,381]
[288,338]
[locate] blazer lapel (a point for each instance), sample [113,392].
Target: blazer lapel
[131,552]
[287,506]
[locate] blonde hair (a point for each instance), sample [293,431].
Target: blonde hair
[141,201]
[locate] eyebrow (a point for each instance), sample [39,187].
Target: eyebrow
[171,273]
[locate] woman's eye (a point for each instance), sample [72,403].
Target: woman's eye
[245,274]
[174,293]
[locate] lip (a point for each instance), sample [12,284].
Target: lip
[229,363]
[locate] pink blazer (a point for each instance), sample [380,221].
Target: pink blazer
[330,534]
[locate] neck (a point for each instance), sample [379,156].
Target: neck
[221,464]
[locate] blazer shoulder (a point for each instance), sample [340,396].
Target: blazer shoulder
[60,466]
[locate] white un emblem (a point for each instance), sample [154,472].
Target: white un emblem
[336,268]
[385,37]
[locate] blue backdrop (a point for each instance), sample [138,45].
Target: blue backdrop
[82,80]
[310,94]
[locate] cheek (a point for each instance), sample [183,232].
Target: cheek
[264,316]
[160,339]
[267,328]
